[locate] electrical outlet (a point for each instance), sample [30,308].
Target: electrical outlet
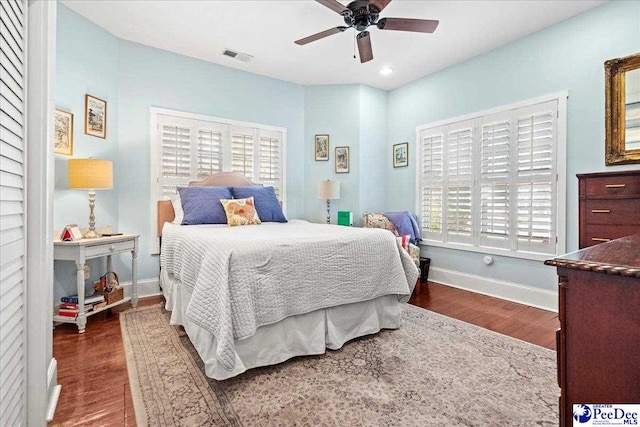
[87,271]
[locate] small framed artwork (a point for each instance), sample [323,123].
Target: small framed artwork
[63,133]
[95,116]
[401,155]
[342,159]
[322,147]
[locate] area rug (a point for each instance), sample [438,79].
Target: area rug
[433,371]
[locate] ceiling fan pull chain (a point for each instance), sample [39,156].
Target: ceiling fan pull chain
[354,45]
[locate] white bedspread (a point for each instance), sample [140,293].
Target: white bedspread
[249,276]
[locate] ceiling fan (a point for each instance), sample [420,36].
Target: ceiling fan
[361,14]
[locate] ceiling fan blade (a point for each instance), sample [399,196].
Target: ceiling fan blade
[408,24]
[321,35]
[364,47]
[376,6]
[335,6]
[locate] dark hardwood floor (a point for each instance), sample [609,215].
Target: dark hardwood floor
[509,318]
[92,367]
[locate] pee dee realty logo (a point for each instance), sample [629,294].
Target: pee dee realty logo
[605,415]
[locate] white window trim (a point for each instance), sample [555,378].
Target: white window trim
[154,112]
[561,177]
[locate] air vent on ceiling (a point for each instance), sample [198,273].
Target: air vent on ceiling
[237,55]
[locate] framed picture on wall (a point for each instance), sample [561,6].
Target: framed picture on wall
[401,155]
[63,133]
[95,116]
[322,147]
[342,159]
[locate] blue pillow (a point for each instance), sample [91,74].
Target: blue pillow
[265,201]
[201,205]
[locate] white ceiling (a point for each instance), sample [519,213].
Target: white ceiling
[267,29]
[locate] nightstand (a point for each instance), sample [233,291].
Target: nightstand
[81,250]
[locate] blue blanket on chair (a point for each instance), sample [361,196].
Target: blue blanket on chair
[406,223]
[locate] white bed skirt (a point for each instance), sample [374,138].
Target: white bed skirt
[300,335]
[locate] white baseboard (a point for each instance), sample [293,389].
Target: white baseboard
[146,288]
[53,388]
[534,297]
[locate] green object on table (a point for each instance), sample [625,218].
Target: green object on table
[345,218]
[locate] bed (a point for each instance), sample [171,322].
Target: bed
[258,295]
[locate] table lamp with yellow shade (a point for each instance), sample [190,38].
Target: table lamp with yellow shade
[91,174]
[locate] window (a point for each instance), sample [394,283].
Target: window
[490,181]
[187,147]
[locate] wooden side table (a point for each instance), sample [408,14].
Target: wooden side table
[81,250]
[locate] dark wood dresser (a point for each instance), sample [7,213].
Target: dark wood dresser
[609,206]
[598,341]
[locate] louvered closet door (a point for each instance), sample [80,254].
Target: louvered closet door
[12,214]
[536,177]
[431,178]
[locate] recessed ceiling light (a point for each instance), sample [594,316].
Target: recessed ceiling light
[386,71]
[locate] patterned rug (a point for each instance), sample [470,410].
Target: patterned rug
[433,371]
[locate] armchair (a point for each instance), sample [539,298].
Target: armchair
[379,220]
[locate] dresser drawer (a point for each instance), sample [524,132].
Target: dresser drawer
[108,249]
[612,211]
[623,185]
[595,234]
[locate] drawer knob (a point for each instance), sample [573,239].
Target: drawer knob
[112,248]
[615,185]
[600,239]
[600,210]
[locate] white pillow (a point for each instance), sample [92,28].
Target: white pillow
[177,208]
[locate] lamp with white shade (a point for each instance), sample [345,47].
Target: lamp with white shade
[91,174]
[328,190]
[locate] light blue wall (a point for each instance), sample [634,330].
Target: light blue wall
[86,63]
[353,116]
[151,77]
[375,153]
[333,110]
[568,56]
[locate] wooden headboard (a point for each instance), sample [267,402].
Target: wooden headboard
[221,179]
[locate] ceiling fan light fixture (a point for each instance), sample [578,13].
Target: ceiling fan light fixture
[385,71]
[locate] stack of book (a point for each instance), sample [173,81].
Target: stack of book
[69,306]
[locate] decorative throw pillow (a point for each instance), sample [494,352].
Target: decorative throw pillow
[265,199]
[240,211]
[201,205]
[378,220]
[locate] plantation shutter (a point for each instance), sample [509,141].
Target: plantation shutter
[431,178]
[12,212]
[209,151]
[269,159]
[459,172]
[495,174]
[175,156]
[536,177]
[242,151]
[491,181]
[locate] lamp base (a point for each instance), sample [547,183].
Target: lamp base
[328,211]
[90,234]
